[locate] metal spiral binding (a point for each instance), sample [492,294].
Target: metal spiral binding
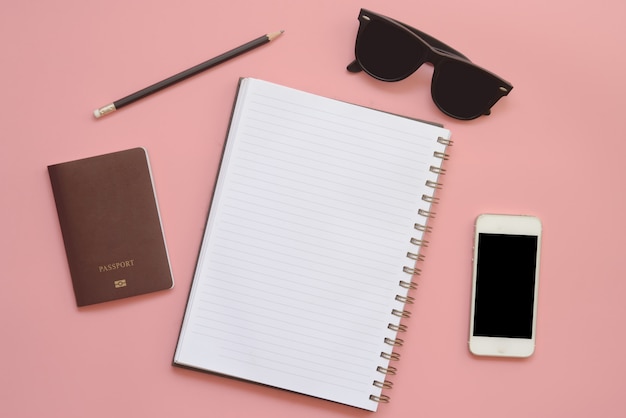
[445,141]
[408,285]
[405,299]
[385,384]
[390,356]
[437,170]
[401,313]
[397,327]
[422,228]
[387,370]
[380,399]
[433,184]
[397,342]
[430,199]
[426,213]
[413,271]
[419,242]
[441,155]
[415,256]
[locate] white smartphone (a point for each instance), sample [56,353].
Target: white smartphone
[505,285]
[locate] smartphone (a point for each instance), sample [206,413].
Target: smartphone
[505,283]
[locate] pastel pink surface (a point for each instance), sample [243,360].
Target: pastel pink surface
[553,148]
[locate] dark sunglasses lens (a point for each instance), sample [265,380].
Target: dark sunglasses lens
[464,91]
[388,52]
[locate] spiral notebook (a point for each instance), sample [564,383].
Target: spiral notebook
[311,244]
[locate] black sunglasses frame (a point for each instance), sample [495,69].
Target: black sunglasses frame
[437,53]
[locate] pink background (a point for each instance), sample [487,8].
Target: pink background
[554,148]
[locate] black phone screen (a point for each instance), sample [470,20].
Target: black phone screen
[505,285]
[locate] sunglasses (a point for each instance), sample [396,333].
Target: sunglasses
[391,51]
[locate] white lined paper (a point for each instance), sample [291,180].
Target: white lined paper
[305,243]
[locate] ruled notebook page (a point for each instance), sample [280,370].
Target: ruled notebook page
[305,244]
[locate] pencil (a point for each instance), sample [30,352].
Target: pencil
[118,104]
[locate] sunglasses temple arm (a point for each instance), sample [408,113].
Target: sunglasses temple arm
[354,67]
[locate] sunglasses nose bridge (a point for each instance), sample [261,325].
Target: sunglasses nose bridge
[437,56]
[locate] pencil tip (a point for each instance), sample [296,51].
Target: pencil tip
[272,36]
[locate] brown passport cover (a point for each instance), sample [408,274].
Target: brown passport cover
[111,226]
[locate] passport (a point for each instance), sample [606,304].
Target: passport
[111,226]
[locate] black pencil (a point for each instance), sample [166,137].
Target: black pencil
[112,107]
